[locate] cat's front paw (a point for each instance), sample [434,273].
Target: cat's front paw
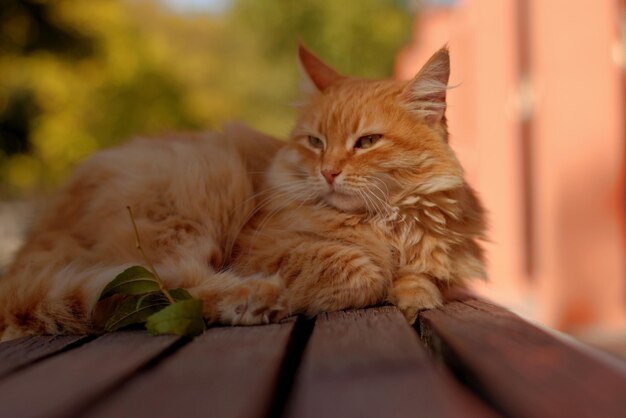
[412,294]
[254,302]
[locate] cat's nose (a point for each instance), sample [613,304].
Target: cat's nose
[330,174]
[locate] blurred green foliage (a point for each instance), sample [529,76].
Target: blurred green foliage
[77,75]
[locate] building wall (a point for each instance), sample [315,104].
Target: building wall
[537,120]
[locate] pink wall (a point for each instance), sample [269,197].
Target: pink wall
[568,92]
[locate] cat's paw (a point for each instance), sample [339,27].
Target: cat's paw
[412,294]
[254,302]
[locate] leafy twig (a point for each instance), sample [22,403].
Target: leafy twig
[138,296]
[146,259]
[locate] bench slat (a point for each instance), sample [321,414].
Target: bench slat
[522,370]
[62,385]
[370,363]
[19,353]
[226,372]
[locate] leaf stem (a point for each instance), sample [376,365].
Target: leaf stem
[146,259]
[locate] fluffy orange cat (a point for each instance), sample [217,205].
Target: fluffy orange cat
[366,204]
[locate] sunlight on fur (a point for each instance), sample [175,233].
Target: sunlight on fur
[366,204]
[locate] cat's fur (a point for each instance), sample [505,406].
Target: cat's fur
[254,227]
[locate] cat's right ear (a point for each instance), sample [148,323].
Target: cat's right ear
[426,93]
[316,74]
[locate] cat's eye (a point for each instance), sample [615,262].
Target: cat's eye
[315,142]
[367,141]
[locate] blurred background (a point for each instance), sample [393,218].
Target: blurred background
[537,118]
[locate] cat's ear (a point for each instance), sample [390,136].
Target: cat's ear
[316,75]
[426,93]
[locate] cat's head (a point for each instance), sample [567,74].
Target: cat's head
[362,145]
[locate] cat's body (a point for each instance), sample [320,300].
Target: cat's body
[366,204]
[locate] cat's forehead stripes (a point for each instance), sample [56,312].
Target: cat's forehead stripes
[354,103]
[343,118]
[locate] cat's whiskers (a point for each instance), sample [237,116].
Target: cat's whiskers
[230,243]
[294,190]
[272,193]
[273,198]
[374,181]
[370,207]
[358,187]
[295,196]
[384,205]
[276,191]
[385,196]
[304,198]
[259,229]
[375,198]
[381,205]
[303,174]
[374,204]
[360,193]
[267,190]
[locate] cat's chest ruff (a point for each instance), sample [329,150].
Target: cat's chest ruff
[433,214]
[420,228]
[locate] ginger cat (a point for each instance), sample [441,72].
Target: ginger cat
[366,204]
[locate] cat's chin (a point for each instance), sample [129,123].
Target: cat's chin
[344,202]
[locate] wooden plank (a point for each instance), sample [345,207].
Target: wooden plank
[370,363]
[61,386]
[226,372]
[520,369]
[19,353]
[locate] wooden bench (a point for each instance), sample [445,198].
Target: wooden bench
[467,359]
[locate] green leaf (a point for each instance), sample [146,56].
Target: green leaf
[135,309]
[180,294]
[135,280]
[181,318]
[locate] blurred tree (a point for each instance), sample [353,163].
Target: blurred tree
[79,75]
[28,27]
[75,77]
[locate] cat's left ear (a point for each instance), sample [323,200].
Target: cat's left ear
[426,93]
[316,74]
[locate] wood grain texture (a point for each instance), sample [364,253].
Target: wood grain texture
[19,353]
[226,372]
[370,363]
[520,369]
[63,385]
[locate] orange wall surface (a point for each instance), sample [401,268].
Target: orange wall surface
[537,120]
